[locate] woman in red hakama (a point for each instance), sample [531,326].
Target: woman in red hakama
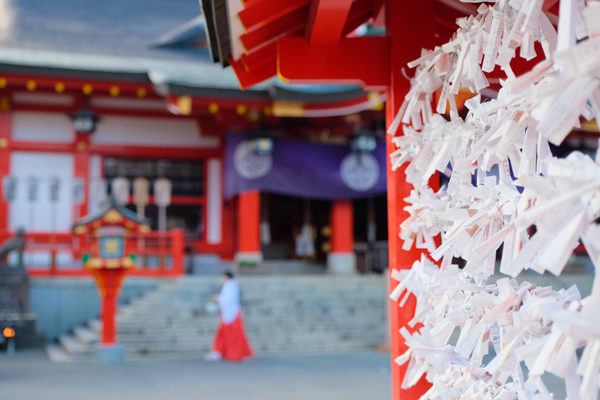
[230,342]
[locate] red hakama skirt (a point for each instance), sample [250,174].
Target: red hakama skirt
[231,341]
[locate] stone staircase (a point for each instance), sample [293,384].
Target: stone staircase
[283,314]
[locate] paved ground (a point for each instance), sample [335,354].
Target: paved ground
[361,376]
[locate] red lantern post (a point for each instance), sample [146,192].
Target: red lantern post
[109,264]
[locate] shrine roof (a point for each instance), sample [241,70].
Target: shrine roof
[105,209]
[260,39]
[151,41]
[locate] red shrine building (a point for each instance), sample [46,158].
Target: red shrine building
[82,105]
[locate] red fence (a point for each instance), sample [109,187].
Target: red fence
[47,254]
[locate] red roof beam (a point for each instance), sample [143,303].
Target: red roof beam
[266,54]
[327,20]
[362,61]
[262,12]
[360,12]
[292,24]
[263,60]
[257,74]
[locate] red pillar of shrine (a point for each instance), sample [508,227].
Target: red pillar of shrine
[342,259]
[411,27]
[248,222]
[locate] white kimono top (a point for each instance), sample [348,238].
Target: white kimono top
[229,301]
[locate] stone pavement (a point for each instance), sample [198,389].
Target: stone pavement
[29,375]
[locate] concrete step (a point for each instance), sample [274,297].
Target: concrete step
[76,350]
[157,308]
[86,336]
[57,354]
[300,314]
[193,352]
[251,329]
[95,325]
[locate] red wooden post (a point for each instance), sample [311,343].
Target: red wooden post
[177,251]
[109,282]
[342,259]
[410,26]
[109,309]
[342,226]
[249,250]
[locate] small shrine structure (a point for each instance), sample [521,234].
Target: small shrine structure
[110,260]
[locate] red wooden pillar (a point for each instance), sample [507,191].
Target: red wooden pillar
[110,281]
[109,310]
[5,136]
[249,250]
[341,258]
[177,251]
[410,25]
[82,170]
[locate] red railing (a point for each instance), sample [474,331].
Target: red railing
[47,254]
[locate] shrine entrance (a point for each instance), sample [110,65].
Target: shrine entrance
[295,228]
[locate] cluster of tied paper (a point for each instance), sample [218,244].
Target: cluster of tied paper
[505,188]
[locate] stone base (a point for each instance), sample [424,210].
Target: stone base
[109,354]
[341,263]
[248,259]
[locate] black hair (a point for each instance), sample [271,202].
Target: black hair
[228,274]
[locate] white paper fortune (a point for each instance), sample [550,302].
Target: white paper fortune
[503,181]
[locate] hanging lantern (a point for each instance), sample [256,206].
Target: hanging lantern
[263,145]
[162,198]
[98,191]
[120,190]
[141,189]
[84,121]
[9,188]
[78,191]
[54,189]
[33,184]
[162,192]
[363,140]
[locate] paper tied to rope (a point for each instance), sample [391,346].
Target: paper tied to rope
[503,181]
[162,192]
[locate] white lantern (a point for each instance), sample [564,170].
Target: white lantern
[120,189]
[141,189]
[9,188]
[78,191]
[162,192]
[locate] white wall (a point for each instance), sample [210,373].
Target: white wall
[39,215]
[151,132]
[42,127]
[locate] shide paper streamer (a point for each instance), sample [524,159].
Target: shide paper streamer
[503,182]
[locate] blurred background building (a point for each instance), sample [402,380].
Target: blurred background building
[107,98]
[284,183]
